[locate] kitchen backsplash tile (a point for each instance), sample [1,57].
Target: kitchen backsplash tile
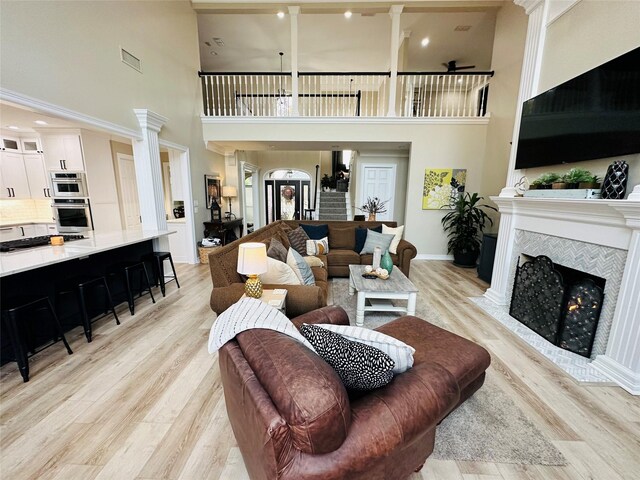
[25,210]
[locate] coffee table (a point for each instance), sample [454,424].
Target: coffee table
[375,295]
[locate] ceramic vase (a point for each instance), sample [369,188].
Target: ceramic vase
[377,256]
[386,262]
[372,217]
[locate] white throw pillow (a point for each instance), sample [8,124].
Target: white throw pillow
[393,248]
[400,352]
[313,261]
[279,273]
[300,268]
[318,247]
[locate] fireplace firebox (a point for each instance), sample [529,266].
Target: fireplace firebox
[560,304]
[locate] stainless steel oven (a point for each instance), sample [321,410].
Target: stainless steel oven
[72,214]
[69,184]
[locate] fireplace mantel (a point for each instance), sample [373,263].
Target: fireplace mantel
[610,223]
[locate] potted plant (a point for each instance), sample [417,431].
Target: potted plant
[545,180]
[576,175]
[373,206]
[327,182]
[464,226]
[593,182]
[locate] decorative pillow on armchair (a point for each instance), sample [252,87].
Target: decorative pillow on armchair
[359,366]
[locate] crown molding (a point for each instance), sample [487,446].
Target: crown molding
[529,5]
[149,120]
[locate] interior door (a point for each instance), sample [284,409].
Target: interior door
[286,199]
[128,191]
[379,181]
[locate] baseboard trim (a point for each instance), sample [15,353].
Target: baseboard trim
[623,376]
[428,256]
[495,297]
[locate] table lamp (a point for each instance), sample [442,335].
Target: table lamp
[230,192]
[252,261]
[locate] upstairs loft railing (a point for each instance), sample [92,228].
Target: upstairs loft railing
[345,94]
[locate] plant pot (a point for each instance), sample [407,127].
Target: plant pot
[572,185]
[591,185]
[558,185]
[372,217]
[544,187]
[533,187]
[465,259]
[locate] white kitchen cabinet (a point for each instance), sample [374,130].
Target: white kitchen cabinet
[31,145]
[9,233]
[28,230]
[13,176]
[63,152]
[10,144]
[175,174]
[37,176]
[178,245]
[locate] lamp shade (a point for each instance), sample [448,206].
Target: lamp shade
[229,191]
[252,258]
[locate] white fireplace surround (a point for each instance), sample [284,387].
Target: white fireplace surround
[596,231]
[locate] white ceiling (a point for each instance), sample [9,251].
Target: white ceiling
[330,42]
[25,119]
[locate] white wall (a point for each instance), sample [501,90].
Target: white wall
[68,53]
[587,35]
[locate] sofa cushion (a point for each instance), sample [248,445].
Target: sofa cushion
[319,273]
[397,232]
[375,239]
[359,366]
[300,268]
[361,236]
[343,257]
[316,232]
[279,273]
[318,247]
[305,390]
[298,240]
[277,250]
[342,238]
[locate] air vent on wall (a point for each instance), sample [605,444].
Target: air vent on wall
[131,60]
[462,28]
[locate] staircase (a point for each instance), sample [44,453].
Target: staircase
[333,206]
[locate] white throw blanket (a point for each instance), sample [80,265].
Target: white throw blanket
[251,313]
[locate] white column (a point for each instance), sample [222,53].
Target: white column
[146,154]
[394,13]
[504,250]
[293,14]
[621,361]
[536,28]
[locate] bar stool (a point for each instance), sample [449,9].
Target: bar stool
[21,339]
[128,269]
[83,286]
[158,259]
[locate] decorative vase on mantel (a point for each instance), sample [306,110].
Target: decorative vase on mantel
[372,217]
[614,185]
[386,262]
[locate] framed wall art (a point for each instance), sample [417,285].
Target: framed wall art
[212,190]
[442,186]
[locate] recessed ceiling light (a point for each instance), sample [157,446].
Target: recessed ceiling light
[280,14]
[347,14]
[425,41]
[13,127]
[41,122]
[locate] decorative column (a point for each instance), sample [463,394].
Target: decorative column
[504,250]
[146,154]
[621,361]
[394,13]
[293,14]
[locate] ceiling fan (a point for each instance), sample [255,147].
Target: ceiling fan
[452,67]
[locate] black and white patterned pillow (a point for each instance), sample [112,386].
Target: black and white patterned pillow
[359,366]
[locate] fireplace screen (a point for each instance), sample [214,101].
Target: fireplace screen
[564,311]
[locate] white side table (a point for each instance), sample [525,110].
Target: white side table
[276,298]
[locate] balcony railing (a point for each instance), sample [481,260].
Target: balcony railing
[351,94]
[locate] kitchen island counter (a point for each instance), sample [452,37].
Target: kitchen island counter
[33,258]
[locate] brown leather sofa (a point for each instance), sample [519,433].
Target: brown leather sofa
[293,418]
[228,286]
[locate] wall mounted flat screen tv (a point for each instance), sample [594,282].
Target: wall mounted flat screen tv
[594,115]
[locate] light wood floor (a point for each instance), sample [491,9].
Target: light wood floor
[144,400]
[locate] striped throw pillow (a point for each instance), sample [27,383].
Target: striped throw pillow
[318,247]
[298,240]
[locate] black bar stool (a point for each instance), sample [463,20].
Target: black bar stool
[158,259]
[83,287]
[13,313]
[128,270]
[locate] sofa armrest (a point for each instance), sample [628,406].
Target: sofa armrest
[333,315]
[406,252]
[223,297]
[405,411]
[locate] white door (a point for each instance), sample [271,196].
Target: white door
[129,202]
[378,181]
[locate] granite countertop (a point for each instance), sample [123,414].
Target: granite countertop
[32,258]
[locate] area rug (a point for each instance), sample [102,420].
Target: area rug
[488,427]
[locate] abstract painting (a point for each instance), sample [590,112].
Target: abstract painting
[442,187]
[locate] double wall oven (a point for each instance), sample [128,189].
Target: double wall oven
[71,206]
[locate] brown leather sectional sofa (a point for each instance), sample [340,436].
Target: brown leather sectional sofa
[293,418]
[228,286]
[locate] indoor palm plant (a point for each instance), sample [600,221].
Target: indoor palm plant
[464,226]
